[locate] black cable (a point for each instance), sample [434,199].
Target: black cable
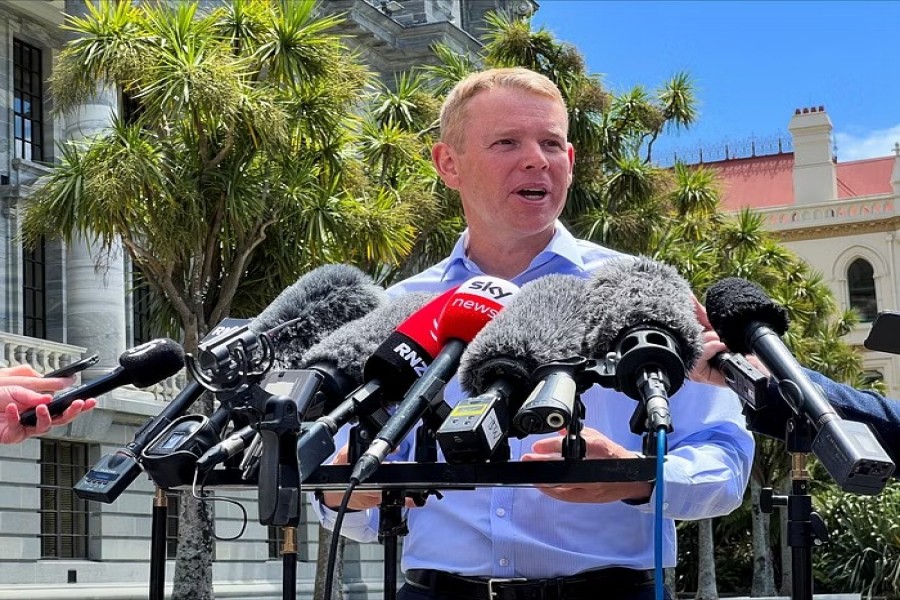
[336,536]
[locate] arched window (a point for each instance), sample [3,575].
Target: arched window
[861,285]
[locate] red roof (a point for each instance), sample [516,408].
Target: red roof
[767,181]
[758,182]
[865,177]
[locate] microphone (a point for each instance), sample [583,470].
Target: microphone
[385,352]
[318,303]
[543,324]
[747,320]
[468,310]
[306,311]
[141,366]
[642,317]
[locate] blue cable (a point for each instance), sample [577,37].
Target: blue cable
[658,521]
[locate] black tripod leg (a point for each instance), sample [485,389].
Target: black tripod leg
[391,525]
[158,546]
[289,563]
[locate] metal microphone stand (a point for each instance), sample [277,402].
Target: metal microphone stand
[805,526]
[158,545]
[391,522]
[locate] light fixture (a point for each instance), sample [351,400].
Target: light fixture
[389,7]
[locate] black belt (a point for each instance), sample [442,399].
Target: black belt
[606,583]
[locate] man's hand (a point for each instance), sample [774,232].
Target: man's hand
[703,371]
[598,446]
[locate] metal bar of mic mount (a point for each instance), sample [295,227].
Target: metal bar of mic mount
[427,476]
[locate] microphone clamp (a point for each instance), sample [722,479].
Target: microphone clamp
[232,359]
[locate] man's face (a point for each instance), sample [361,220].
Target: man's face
[512,168]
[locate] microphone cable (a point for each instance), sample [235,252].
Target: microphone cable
[659,576]
[227,499]
[336,537]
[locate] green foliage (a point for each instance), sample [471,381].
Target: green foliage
[245,164]
[863,550]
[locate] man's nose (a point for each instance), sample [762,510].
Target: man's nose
[534,157]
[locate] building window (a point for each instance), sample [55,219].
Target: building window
[172,512]
[28,98]
[64,516]
[861,285]
[34,290]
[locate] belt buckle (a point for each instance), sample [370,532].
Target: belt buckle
[500,580]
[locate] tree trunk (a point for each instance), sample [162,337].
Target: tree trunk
[193,578]
[193,563]
[706,558]
[763,583]
[337,589]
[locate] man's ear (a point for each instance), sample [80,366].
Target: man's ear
[444,159]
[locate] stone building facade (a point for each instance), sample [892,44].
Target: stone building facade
[840,217]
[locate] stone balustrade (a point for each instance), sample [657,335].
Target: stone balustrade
[45,356]
[823,214]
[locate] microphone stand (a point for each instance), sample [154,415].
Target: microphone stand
[289,561]
[391,525]
[279,482]
[158,545]
[805,526]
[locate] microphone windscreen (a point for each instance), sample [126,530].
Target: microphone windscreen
[320,301]
[733,303]
[544,322]
[348,347]
[629,291]
[472,306]
[153,361]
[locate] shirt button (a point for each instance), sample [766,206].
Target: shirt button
[665,505]
[501,512]
[504,562]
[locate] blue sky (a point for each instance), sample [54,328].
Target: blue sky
[752,62]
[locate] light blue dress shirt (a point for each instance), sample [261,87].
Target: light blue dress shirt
[521,532]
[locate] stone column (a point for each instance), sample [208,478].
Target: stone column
[95,297]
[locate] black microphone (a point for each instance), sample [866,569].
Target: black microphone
[377,352]
[748,321]
[321,301]
[317,303]
[642,317]
[468,310]
[141,366]
[543,324]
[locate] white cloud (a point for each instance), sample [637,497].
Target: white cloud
[871,144]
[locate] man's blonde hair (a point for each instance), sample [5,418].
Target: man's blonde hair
[520,78]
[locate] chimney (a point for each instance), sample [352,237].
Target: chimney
[815,179]
[895,173]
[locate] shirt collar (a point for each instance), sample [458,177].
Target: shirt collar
[563,244]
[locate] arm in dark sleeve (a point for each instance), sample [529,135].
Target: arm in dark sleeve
[880,413]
